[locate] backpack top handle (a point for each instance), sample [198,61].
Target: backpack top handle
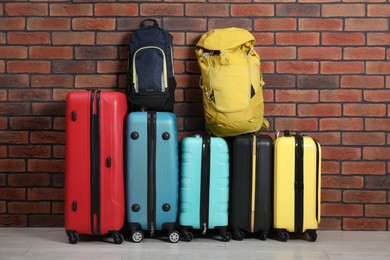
[142,24]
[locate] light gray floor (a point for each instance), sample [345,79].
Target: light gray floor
[52,243]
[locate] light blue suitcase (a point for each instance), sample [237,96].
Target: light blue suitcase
[204,186]
[152,179]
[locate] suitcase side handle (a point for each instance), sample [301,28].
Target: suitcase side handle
[108,162]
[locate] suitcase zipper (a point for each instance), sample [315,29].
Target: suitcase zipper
[253,200]
[95,161]
[151,171]
[205,184]
[299,186]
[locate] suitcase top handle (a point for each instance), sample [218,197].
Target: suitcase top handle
[143,23]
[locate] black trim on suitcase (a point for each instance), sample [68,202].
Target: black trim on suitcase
[298,218]
[205,184]
[317,175]
[151,171]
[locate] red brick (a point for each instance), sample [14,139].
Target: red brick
[268,95]
[96,81]
[13,137]
[343,39]
[2,38]
[279,109]
[28,67]
[49,109]
[173,9]
[58,180]
[362,81]
[57,207]
[62,81]
[71,10]
[47,138]
[341,124]
[376,153]
[102,24]
[297,67]
[29,207]
[364,196]
[378,182]
[13,220]
[31,95]
[59,151]
[297,38]
[111,66]
[296,124]
[319,110]
[374,67]
[326,138]
[60,94]
[13,52]
[319,53]
[344,210]
[28,180]
[45,194]
[12,193]
[38,52]
[364,110]
[208,10]
[73,38]
[364,224]
[366,53]
[190,109]
[382,10]
[46,220]
[378,38]
[72,66]
[117,9]
[296,96]
[29,151]
[297,10]
[274,53]
[14,109]
[363,138]
[275,24]
[3,124]
[184,53]
[193,95]
[28,38]
[187,24]
[48,24]
[333,67]
[30,123]
[378,124]
[343,10]
[2,66]
[113,38]
[341,153]
[366,24]
[12,165]
[252,10]
[21,9]
[96,52]
[318,24]
[3,208]
[365,168]
[40,165]
[330,195]
[340,95]
[330,224]
[267,67]
[377,210]
[12,24]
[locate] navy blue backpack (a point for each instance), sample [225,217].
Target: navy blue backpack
[151,82]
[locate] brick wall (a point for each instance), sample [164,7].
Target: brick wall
[325,63]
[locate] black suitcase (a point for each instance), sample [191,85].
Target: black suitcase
[252,186]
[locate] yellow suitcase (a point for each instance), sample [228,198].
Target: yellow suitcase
[297,185]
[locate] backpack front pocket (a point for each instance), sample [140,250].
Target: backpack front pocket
[150,70]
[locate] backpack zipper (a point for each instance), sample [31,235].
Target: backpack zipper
[164,76]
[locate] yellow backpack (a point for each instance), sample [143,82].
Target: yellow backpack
[231,82]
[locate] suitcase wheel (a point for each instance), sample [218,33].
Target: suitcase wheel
[312,235]
[73,237]
[174,236]
[137,236]
[238,235]
[263,236]
[186,236]
[118,238]
[283,236]
[226,237]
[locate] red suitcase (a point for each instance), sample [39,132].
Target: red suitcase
[94,170]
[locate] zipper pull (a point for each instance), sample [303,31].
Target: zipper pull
[204,229]
[151,229]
